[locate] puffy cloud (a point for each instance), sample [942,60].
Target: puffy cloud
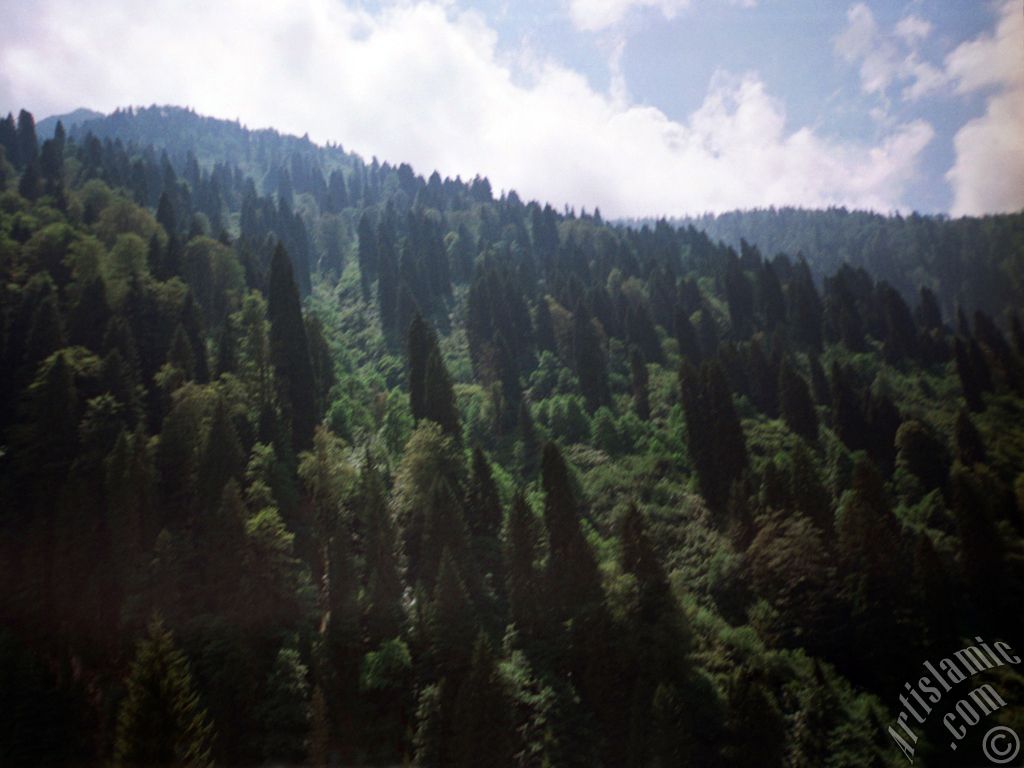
[988,175]
[425,83]
[888,57]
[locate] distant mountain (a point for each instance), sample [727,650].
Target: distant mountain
[45,128]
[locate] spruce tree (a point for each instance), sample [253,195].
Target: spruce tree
[572,581]
[715,438]
[482,724]
[421,342]
[588,357]
[222,457]
[87,321]
[382,608]
[451,621]
[638,371]
[289,351]
[161,721]
[970,448]
[284,710]
[686,337]
[795,403]
[521,544]
[28,143]
[439,396]
[484,517]
[46,334]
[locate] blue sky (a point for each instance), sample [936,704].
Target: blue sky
[641,107]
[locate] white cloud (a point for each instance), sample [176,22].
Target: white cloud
[913,28]
[596,15]
[988,175]
[888,57]
[593,15]
[996,59]
[426,84]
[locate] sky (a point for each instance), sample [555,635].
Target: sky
[638,107]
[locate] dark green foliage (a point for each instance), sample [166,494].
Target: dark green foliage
[482,720]
[221,459]
[970,448]
[589,360]
[640,383]
[971,381]
[795,403]
[922,454]
[981,546]
[160,720]
[714,436]
[484,517]
[421,342]
[686,336]
[383,608]
[757,728]
[451,621]
[87,321]
[284,711]
[571,580]
[521,545]
[289,351]
[439,396]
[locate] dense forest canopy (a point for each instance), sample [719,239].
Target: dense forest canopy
[306,459]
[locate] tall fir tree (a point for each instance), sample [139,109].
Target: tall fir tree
[589,359]
[161,720]
[289,351]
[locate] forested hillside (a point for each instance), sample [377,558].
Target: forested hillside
[970,262]
[306,459]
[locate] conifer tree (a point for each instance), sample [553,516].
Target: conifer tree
[521,544]
[638,371]
[544,330]
[572,581]
[46,334]
[161,721]
[89,316]
[482,724]
[795,403]
[714,436]
[289,351]
[180,355]
[982,552]
[588,357]
[527,445]
[484,517]
[388,282]
[686,337]
[222,457]
[367,254]
[970,448]
[969,380]
[284,711]
[451,621]
[439,397]
[428,746]
[382,609]
[28,143]
[421,342]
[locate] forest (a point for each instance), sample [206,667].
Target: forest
[312,460]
